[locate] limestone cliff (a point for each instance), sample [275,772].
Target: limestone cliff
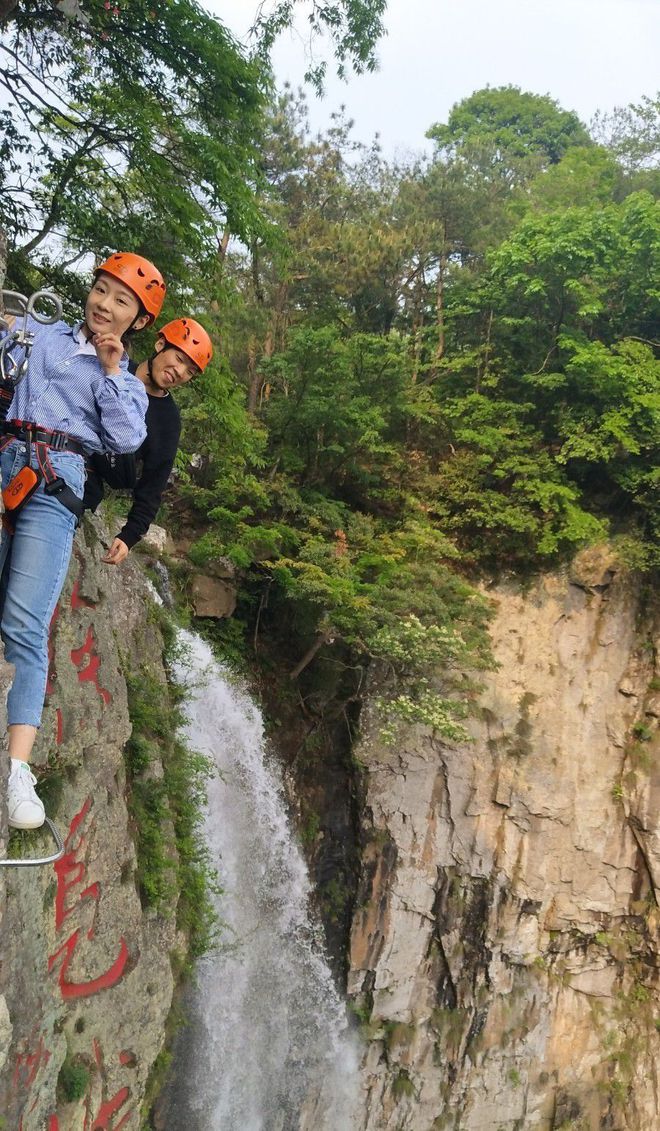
[86,969]
[504,948]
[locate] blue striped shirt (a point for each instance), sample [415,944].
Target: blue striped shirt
[67,390]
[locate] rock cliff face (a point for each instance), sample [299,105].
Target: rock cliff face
[504,945]
[86,970]
[504,949]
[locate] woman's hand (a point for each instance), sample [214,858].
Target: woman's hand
[109,350]
[117,553]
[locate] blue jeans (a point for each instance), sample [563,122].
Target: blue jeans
[33,567]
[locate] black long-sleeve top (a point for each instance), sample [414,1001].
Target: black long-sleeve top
[148,481]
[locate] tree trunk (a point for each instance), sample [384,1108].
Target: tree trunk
[254,376]
[223,244]
[280,319]
[256,277]
[325,637]
[3,264]
[481,372]
[440,309]
[417,325]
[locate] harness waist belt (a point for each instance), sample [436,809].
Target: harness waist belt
[58,441]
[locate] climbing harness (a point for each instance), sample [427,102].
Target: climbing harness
[35,861]
[12,372]
[25,483]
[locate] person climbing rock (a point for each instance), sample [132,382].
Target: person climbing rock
[183,350]
[77,397]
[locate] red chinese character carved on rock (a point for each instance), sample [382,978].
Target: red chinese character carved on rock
[90,673]
[71,873]
[29,1059]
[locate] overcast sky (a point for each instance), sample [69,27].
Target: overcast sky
[588,54]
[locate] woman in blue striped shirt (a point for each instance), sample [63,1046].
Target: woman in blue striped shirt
[78,397]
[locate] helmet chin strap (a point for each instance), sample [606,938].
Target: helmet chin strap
[150,373]
[129,328]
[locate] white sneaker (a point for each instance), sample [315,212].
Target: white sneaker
[24,808]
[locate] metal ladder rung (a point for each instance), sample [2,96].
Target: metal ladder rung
[39,860]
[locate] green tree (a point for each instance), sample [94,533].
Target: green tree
[632,133]
[512,124]
[589,269]
[584,174]
[131,124]
[562,419]
[353,27]
[339,252]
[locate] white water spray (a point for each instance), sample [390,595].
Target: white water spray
[267,1047]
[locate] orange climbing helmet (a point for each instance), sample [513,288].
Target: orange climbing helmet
[191,338]
[140,276]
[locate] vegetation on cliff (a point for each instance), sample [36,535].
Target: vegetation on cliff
[427,370]
[450,370]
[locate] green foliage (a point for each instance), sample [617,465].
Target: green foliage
[310,829]
[429,371]
[507,414]
[174,871]
[412,646]
[585,173]
[227,443]
[73,1080]
[632,134]
[501,409]
[425,707]
[344,400]
[353,27]
[502,493]
[147,119]
[512,123]
[334,898]
[158,1076]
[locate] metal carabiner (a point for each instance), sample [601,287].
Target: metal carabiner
[14,303]
[17,304]
[45,296]
[10,370]
[36,861]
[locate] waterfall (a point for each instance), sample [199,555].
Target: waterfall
[266,1046]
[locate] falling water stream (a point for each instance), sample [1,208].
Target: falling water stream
[267,1047]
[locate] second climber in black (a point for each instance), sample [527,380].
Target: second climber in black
[183,350]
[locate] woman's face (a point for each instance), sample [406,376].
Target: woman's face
[111,308]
